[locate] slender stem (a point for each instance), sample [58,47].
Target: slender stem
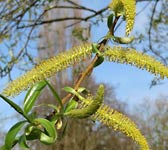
[90,67]
[113,25]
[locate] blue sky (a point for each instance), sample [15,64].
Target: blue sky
[130,83]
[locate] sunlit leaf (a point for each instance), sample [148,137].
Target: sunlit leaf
[50,134]
[32,96]
[11,135]
[71,90]
[14,106]
[55,93]
[71,105]
[45,139]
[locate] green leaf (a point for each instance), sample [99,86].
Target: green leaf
[72,104]
[32,116]
[71,90]
[95,49]
[11,135]
[99,61]
[110,20]
[32,132]
[12,104]
[3,148]
[99,55]
[55,94]
[15,106]
[82,89]
[22,142]
[45,139]
[50,134]
[32,95]
[91,108]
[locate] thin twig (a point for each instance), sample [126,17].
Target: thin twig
[90,67]
[150,34]
[64,19]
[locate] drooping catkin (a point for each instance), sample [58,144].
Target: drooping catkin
[127,8]
[119,122]
[48,68]
[135,58]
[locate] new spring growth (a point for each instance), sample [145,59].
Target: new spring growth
[120,122]
[126,8]
[90,109]
[94,108]
[135,58]
[48,68]
[114,119]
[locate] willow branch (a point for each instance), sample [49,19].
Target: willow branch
[90,67]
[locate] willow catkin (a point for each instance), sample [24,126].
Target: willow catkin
[126,8]
[48,68]
[135,58]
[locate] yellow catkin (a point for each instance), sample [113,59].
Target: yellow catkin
[126,8]
[118,122]
[135,58]
[48,68]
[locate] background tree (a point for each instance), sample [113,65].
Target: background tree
[153,121]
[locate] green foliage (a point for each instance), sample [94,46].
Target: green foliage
[36,128]
[91,108]
[32,95]
[78,103]
[10,139]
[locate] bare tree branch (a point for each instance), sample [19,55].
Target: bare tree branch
[65,19]
[150,34]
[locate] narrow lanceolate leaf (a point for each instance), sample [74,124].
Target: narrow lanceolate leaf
[127,8]
[11,135]
[55,94]
[110,21]
[32,95]
[91,108]
[15,106]
[72,104]
[12,104]
[137,59]
[120,122]
[48,68]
